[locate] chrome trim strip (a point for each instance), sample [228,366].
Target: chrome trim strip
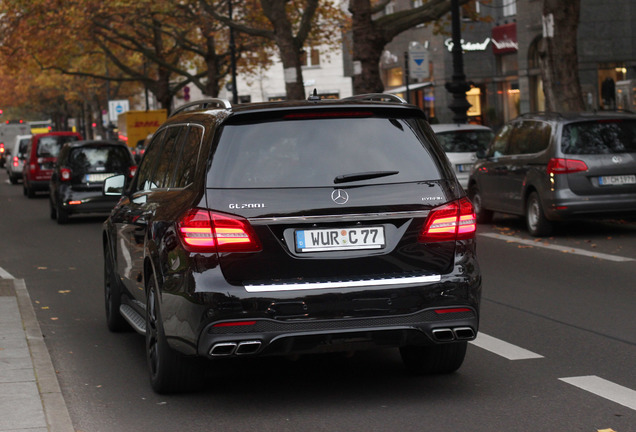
[343,217]
[343,284]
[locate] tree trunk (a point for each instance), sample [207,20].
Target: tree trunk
[559,57]
[368,45]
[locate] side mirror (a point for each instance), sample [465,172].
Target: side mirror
[114,186]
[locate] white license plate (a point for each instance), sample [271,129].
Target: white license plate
[462,168]
[97,177]
[617,180]
[338,239]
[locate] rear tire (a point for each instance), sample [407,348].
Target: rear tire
[62,215]
[434,359]
[484,216]
[170,371]
[536,222]
[112,296]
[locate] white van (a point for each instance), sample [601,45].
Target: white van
[16,153]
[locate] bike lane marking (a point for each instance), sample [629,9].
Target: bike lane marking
[565,249]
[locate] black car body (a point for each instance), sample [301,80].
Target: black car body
[78,177]
[557,167]
[297,227]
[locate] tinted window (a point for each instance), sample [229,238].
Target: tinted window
[599,137]
[184,174]
[169,156]
[49,146]
[500,143]
[145,178]
[465,141]
[302,153]
[530,137]
[99,159]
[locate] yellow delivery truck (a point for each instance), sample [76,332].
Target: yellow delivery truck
[135,126]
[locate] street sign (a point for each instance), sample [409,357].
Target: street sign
[116,107]
[418,61]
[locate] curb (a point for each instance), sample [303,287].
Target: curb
[55,409]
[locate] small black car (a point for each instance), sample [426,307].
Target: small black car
[79,174]
[290,228]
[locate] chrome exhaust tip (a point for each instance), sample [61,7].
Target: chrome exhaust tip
[443,334]
[223,349]
[464,333]
[248,347]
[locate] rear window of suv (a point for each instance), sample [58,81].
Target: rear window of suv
[97,159]
[321,152]
[599,137]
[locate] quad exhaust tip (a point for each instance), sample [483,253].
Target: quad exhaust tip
[451,334]
[225,349]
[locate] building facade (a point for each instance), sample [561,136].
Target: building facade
[501,40]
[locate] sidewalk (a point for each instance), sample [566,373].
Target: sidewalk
[30,395]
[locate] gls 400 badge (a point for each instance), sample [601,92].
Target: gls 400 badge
[247,206]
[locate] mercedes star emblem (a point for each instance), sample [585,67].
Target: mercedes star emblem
[339,196]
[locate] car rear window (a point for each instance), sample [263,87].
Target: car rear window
[465,141]
[321,152]
[49,146]
[599,137]
[99,159]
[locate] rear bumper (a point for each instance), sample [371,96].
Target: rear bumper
[86,202]
[271,337]
[569,206]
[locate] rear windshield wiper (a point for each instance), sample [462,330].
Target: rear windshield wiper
[363,176]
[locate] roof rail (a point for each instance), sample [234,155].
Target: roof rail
[204,104]
[377,97]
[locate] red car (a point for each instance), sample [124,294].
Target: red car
[40,159]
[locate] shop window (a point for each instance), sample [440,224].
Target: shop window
[394,77]
[608,75]
[474,99]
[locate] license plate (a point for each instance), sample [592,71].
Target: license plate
[338,239]
[617,180]
[97,177]
[462,168]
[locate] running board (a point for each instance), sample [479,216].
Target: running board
[137,322]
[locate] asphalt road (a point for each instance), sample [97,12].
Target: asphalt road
[556,351]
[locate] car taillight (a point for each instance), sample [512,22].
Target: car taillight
[565,166]
[65,174]
[16,161]
[205,231]
[1,147]
[450,222]
[131,171]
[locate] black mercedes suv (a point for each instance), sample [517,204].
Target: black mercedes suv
[290,228]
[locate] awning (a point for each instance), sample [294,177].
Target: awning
[414,86]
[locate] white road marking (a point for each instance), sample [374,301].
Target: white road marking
[605,389]
[565,249]
[503,349]
[5,274]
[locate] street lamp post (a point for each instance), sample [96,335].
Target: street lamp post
[232,57]
[458,86]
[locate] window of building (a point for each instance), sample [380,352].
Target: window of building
[510,7]
[310,57]
[470,11]
[474,98]
[417,3]
[394,77]
[389,8]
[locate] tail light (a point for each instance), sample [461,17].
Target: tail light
[65,174]
[565,166]
[16,161]
[205,231]
[1,148]
[450,222]
[132,171]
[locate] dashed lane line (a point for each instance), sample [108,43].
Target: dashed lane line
[605,389]
[503,349]
[565,249]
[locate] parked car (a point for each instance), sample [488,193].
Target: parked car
[556,167]
[461,142]
[79,174]
[15,157]
[40,160]
[289,228]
